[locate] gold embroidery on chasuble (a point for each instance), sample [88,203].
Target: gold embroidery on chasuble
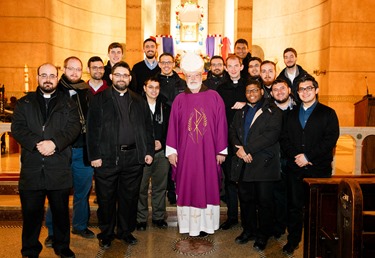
[195,216]
[181,214]
[197,125]
[210,213]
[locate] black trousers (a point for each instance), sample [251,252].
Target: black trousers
[32,203]
[117,191]
[231,192]
[295,206]
[281,210]
[255,195]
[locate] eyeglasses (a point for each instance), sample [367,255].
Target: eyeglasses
[97,68]
[72,69]
[45,76]
[252,91]
[191,76]
[166,63]
[119,75]
[217,65]
[306,89]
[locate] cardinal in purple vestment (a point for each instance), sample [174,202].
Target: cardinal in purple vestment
[196,146]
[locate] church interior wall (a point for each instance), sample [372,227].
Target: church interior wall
[335,36]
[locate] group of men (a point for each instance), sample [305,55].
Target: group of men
[124,125]
[275,140]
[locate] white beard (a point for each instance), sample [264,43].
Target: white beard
[193,86]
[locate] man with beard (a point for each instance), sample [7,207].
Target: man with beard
[217,74]
[147,67]
[115,55]
[241,49]
[95,67]
[72,86]
[254,68]
[268,75]
[292,73]
[120,142]
[233,94]
[45,123]
[254,133]
[281,93]
[196,146]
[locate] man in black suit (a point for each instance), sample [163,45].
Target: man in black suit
[309,137]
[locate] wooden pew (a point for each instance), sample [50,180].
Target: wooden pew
[320,228]
[356,218]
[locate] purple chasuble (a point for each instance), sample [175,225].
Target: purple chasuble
[198,131]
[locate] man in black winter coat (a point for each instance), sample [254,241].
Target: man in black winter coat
[292,73]
[45,124]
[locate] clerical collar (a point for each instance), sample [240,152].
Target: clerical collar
[235,81]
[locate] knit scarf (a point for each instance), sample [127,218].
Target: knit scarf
[80,85]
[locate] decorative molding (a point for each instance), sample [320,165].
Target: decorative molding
[131,28]
[245,29]
[245,8]
[133,6]
[340,98]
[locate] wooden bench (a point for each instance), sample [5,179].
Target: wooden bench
[321,237]
[356,218]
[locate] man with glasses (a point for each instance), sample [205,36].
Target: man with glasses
[170,86]
[196,146]
[254,134]
[170,82]
[217,74]
[254,68]
[95,67]
[74,87]
[147,67]
[45,124]
[310,133]
[120,142]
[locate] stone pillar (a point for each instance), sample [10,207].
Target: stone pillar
[163,14]
[134,32]
[244,21]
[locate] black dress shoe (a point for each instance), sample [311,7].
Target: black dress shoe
[66,253]
[130,239]
[260,244]
[141,226]
[49,241]
[105,243]
[85,233]
[228,224]
[244,238]
[203,234]
[289,248]
[160,223]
